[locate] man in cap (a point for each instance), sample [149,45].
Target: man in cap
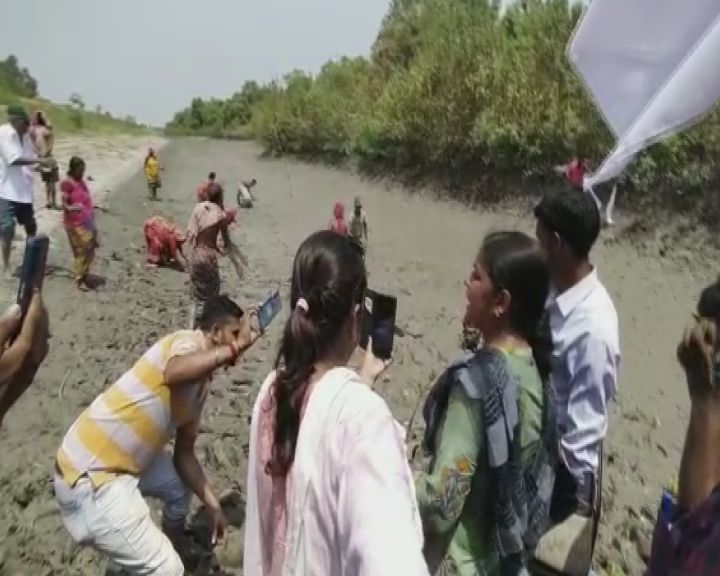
[17,156]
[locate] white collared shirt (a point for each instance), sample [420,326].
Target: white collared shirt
[586,360]
[16,182]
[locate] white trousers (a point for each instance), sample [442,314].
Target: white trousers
[115,519]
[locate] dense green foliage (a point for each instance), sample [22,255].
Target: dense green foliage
[16,80]
[220,118]
[17,86]
[461,89]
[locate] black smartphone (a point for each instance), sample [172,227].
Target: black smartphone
[33,269]
[269,310]
[378,322]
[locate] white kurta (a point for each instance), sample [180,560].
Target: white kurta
[352,509]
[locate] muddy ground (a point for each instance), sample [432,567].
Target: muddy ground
[419,250]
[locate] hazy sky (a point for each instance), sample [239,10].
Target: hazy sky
[150,58]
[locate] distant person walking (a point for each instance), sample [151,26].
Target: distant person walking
[152,173]
[203,188]
[17,155]
[79,221]
[43,139]
[208,221]
[358,224]
[338,224]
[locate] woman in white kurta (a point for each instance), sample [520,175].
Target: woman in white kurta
[329,489]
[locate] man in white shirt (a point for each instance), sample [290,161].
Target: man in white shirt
[17,156]
[586,357]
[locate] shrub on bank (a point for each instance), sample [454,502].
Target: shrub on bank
[457,86]
[465,89]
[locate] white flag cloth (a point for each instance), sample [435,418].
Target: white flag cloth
[651,66]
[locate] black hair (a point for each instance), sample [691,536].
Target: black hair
[215,194]
[217,311]
[40,119]
[212,176]
[329,275]
[75,164]
[514,262]
[708,305]
[573,216]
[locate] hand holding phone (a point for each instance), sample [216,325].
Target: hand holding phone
[33,270]
[268,310]
[372,366]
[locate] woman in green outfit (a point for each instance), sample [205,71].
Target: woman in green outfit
[490,427]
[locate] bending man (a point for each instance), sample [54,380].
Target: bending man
[113,454]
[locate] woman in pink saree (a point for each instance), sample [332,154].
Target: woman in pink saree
[79,221]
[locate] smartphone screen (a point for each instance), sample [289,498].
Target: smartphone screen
[33,269]
[366,319]
[268,310]
[378,322]
[383,325]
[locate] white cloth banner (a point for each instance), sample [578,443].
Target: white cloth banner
[651,66]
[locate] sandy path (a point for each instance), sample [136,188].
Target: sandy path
[419,249]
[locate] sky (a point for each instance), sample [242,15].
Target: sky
[149,58]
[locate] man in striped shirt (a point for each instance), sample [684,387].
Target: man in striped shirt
[114,453]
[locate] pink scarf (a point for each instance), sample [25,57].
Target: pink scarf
[274,493]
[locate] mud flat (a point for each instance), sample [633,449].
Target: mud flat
[420,250]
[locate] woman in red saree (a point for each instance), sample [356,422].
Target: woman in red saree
[79,221]
[164,242]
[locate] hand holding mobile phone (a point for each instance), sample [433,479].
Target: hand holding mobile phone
[268,310]
[373,366]
[33,270]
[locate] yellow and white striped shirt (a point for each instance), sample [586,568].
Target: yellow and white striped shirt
[132,421]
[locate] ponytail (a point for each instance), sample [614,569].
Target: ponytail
[328,281]
[295,362]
